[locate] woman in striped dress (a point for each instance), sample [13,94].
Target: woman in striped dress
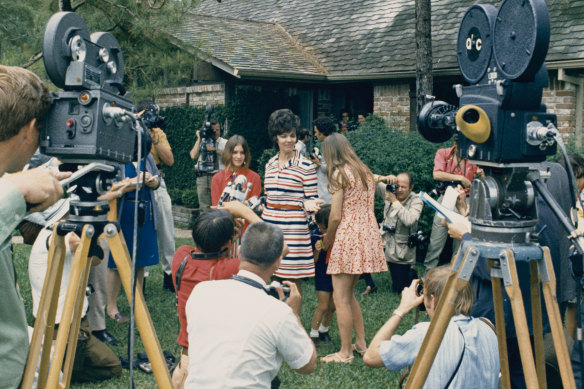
[291,190]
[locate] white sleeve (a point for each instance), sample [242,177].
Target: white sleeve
[293,342]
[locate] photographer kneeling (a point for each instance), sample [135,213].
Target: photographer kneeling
[238,334]
[213,233]
[468,353]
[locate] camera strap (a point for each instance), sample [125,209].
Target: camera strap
[460,360]
[250,282]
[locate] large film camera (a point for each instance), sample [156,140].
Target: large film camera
[208,158]
[89,121]
[501,54]
[501,123]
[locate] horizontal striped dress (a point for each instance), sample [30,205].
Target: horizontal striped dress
[285,190]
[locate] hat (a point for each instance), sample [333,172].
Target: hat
[51,215]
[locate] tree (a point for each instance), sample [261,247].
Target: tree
[150,60]
[424,79]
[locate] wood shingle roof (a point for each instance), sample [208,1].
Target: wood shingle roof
[342,40]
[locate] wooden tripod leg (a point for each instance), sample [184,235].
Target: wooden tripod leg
[500,328]
[121,257]
[44,325]
[67,317]
[438,326]
[551,304]
[507,260]
[77,316]
[536,319]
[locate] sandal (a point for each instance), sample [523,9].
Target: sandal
[336,358]
[356,350]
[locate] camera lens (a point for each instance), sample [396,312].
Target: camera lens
[420,288]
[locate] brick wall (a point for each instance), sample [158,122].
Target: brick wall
[392,103]
[560,99]
[183,216]
[195,95]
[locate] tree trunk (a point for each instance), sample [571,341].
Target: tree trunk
[424,79]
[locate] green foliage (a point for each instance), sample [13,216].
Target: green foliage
[387,150]
[189,198]
[139,26]
[183,123]
[248,112]
[175,195]
[263,160]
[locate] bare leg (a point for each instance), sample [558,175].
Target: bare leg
[114,284]
[345,302]
[328,315]
[321,310]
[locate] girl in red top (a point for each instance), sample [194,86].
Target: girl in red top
[236,158]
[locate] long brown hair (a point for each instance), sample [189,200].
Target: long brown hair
[338,153]
[230,146]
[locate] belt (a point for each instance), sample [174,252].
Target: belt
[284,206]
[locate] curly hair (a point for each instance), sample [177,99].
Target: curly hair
[324,125]
[281,122]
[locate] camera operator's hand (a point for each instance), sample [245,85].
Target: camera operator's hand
[312,205]
[198,134]
[457,230]
[461,204]
[294,301]
[240,210]
[210,148]
[465,182]
[410,299]
[40,187]
[315,160]
[390,196]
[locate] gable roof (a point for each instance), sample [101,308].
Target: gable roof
[345,40]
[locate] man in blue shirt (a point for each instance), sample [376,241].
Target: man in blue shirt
[468,352]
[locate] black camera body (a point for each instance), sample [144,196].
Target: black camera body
[273,291]
[152,117]
[388,228]
[417,239]
[92,119]
[501,119]
[391,188]
[206,163]
[441,186]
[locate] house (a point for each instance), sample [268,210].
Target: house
[357,54]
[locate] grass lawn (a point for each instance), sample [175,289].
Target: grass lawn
[162,305]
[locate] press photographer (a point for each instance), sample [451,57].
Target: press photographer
[244,342]
[208,150]
[401,213]
[24,102]
[211,259]
[468,352]
[162,154]
[449,168]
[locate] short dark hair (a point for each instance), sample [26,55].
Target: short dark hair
[324,125]
[281,122]
[576,162]
[212,230]
[302,133]
[322,215]
[144,104]
[262,244]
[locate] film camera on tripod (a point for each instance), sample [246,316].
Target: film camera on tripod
[504,128]
[92,128]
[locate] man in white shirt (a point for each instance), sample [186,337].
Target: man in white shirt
[238,334]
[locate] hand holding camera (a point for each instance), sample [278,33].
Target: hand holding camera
[412,297]
[40,186]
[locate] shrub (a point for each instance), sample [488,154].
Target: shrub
[388,150]
[190,198]
[175,195]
